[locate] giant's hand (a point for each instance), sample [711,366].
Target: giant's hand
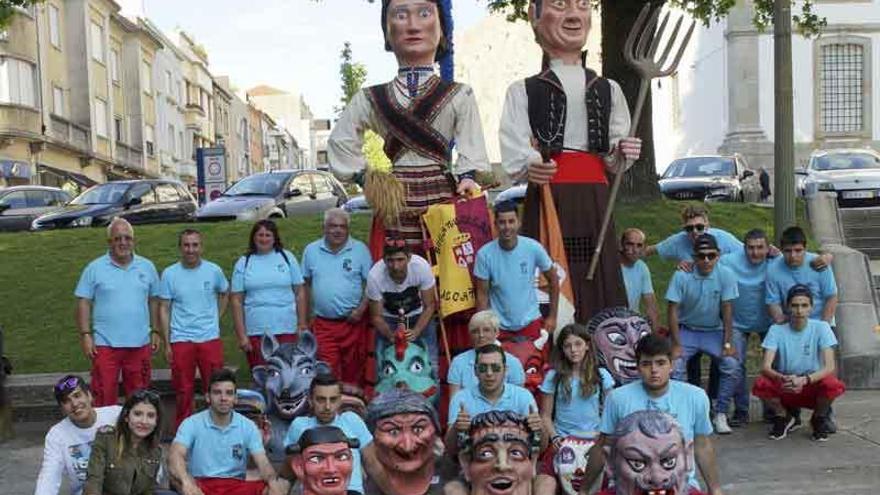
[467,187]
[630,148]
[541,172]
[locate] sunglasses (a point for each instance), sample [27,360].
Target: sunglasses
[484,368]
[699,227]
[398,243]
[145,394]
[706,256]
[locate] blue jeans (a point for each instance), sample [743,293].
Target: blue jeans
[741,341]
[428,339]
[694,341]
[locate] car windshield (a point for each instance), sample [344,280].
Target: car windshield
[846,161]
[258,185]
[700,167]
[108,193]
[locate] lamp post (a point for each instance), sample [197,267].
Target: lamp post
[783,135]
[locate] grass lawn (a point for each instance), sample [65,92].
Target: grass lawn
[39,270]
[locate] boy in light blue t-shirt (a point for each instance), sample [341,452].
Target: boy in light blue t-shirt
[637,276]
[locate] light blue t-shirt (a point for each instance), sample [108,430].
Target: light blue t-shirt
[192,292]
[266,281]
[513,398]
[781,277]
[749,309]
[678,247]
[688,404]
[699,297]
[637,280]
[216,452]
[337,279]
[511,277]
[351,425]
[799,352]
[579,416]
[461,371]
[120,300]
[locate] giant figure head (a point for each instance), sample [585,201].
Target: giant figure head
[405,428]
[561,26]
[322,460]
[570,463]
[287,374]
[615,332]
[648,454]
[415,30]
[499,454]
[406,365]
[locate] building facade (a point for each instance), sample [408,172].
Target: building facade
[289,111]
[199,93]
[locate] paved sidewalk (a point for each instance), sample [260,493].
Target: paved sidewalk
[751,464]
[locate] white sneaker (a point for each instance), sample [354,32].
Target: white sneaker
[721,426]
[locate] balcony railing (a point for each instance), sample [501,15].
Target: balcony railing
[67,131]
[128,156]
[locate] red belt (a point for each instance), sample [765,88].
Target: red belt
[577,167]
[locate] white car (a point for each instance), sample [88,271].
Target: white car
[854,174]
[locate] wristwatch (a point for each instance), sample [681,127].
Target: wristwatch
[728,345]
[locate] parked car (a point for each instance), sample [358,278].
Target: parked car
[515,193]
[138,201]
[357,204]
[20,205]
[854,174]
[711,178]
[276,194]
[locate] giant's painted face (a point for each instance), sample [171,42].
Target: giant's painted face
[561,26]
[413,28]
[655,464]
[499,462]
[287,374]
[615,333]
[405,442]
[570,463]
[531,358]
[407,365]
[325,469]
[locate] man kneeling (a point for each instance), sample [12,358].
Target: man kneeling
[804,375]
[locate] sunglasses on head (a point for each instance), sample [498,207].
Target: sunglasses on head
[699,227]
[145,394]
[66,385]
[706,256]
[484,367]
[398,243]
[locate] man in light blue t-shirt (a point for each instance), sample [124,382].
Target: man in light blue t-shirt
[793,268]
[193,295]
[695,222]
[218,442]
[505,277]
[325,399]
[116,316]
[688,404]
[700,316]
[636,276]
[483,330]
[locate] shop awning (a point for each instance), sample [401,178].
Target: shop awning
[80,179]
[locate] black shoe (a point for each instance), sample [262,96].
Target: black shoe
[829,422]
[739,418]
[781,426]
[820,428]
[795,414]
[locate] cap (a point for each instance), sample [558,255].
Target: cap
[705,242]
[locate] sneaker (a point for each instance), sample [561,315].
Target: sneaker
[781,426]
[821,427]
[795,414]
[721,426]
[829,423]
[739,418]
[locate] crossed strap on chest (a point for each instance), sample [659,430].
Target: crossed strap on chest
[409,129]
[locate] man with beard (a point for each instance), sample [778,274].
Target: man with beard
[405,432]
[656,392]
[579,122]
[499,454]
[420,117]
[322,459]
[648,454]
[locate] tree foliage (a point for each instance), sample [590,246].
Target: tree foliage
[8,7]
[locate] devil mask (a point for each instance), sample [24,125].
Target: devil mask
[615,332]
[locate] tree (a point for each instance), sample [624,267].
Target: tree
[618,16]
[7,9]
[353,75]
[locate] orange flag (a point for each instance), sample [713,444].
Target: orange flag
[550,236]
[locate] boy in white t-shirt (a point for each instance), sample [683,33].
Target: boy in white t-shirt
[69,443]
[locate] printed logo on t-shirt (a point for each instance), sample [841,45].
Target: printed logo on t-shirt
[280,267]
[142,277]
[206,285]
[807,349]
[524,267]
[79,459]
[409,300]
[238,452]
[346,264]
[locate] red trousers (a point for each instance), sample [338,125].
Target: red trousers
[532,331]
[828,388]
[133,362]
[230,486]
[186,356]
[255,357]
[338,341]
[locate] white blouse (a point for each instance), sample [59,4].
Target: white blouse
[517,150]
[458,120]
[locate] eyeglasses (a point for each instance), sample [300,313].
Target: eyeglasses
[484,367]
[706,256]
[699,227]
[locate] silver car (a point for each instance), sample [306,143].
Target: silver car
[854,174]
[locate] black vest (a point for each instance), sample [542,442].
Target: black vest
[547,111]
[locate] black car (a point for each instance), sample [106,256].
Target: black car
[276,194]
[138,201]
[20,205]
[711,178]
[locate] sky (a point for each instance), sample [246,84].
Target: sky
[292,45]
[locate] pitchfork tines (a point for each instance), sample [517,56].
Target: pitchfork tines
[644,39]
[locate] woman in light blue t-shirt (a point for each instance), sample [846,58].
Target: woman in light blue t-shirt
[572,395]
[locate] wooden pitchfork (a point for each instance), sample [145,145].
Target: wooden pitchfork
[640,52]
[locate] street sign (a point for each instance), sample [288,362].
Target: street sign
[211,173]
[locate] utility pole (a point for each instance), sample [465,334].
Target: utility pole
[783,140]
